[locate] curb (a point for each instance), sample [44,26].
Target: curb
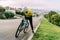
[34,31]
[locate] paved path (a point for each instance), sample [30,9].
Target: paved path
[9,27]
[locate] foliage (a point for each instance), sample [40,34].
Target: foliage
[20,13]
[53,17]
[50,14]
[46,16]
[56,19]
[2,9]
[2,16]
[9,14]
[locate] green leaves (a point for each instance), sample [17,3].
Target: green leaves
[2,9]
[9,14]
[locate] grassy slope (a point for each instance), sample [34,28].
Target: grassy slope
[47,31]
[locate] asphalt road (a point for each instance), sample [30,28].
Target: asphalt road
[9,27]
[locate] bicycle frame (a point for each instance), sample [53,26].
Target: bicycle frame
[25,22]
[23,26]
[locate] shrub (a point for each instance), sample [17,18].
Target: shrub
[2,16]
[2,9]
[53,17]
[50,14]
[9,14]
[56,19]
[20,13]
[46,16]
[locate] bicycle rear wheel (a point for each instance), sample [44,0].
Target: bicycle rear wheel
[26,28]
[18,30]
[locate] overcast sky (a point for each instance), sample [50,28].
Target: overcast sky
[40,4]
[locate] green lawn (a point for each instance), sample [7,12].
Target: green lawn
[47,31]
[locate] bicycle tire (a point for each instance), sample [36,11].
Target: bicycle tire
[18,30]
[26,28]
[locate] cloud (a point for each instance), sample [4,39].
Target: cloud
[41,4]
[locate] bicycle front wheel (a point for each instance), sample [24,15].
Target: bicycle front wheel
[18,30]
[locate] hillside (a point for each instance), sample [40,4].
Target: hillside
[47,31]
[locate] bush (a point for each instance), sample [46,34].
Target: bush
[2,9]
[20,13]
[50,14]
[2,16]
[9,14]
[46,16]
[56,19]
[53,17]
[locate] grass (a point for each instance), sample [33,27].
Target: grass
[47,31]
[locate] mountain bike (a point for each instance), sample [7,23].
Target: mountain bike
[22,27]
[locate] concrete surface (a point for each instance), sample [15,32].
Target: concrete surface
[8,29]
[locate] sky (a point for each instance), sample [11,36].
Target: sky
[37,4]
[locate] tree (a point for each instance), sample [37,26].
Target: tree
[2,9]
[46,16]
[9,14]
[56,19]
[50,14]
